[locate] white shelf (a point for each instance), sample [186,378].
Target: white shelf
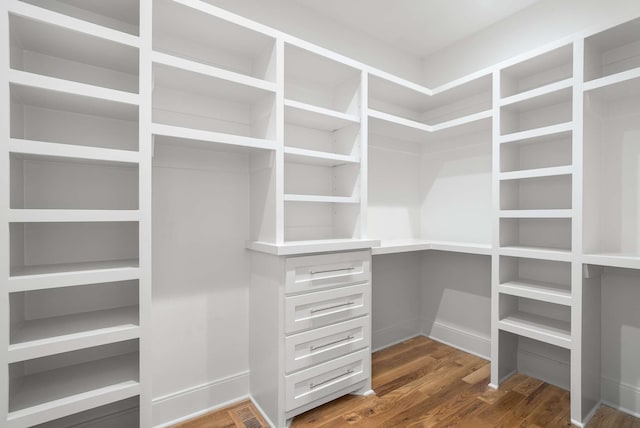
[619,260]
[41,148]
[536,133]
[536,173]
[310,116]
[206,139]
[60,392]
[616,86]
[45,92]
[461,121]
[321,198]
[211,71]
[48,336]
[541,213]
[537,290]
[537,253]
[313,157]
[308,247]
[40,277]
[537,327]
[408,245]
[38,13]
[51,216]
[32,80]
[537,92]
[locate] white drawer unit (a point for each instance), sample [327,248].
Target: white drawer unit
[323,344]
[317,272]
[318,309]
[311,330]
[312,384]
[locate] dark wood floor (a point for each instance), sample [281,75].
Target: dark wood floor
[422,383]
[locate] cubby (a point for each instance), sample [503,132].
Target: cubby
[36,115]
[612,51]
[547,151]
[611,149]
[319,81]
[49,321]
[119,15]
[211,40]
[123,414]
[186,99]
[544,280]
[546,234]
[50,50]
[44,182]
[43,247]
[552,67]
[81,379]
[320,220]
[542,111]
[540,193]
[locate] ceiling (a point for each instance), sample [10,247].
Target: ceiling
[418,27]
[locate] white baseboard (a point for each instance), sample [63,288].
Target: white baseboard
[621,396]
[262,412]
[466,341]
[192,402]
[394,334]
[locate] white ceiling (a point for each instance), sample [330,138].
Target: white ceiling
[419,27]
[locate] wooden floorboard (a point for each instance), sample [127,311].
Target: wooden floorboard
[422,383]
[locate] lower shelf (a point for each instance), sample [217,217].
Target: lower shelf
[538,290]
[47,336]
[537,327]
[56,393]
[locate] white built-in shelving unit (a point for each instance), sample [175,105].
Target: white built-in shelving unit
[327,155]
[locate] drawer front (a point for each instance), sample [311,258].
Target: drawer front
[322,308]
[323,344]
[322,271]
[317,382]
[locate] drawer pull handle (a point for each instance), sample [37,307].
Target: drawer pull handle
[315,272]
[314,348]
[315,385]
[313,311]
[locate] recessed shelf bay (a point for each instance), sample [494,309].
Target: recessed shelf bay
[538,327]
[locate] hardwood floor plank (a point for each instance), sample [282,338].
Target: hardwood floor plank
[423,383]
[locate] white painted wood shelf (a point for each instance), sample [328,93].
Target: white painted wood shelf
[321,198]
[71,151]
[67,390]
[314,157]
[544,131]
[538,213]
[183,136]
[536,173]
[556,254]
[544,329]
[538,290]
[310,116]
[63,215]
[48,336]
[408,245]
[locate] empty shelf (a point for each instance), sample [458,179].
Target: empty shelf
[206,139]
[537,132]
[536,173]
[537,92]
[407,245]
[313,157]
[557,254]
[620,260]
[24,278]
[56,393]
[71,151]
[48,336]
[322,198]
[540,213]
[50,216]
[315,246]
[310,116]
[537,327]
[537,290]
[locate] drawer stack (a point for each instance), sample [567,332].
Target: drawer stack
[327,327]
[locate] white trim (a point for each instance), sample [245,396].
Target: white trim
[464,340]
[621,396]
[394,334]
[198,400]
[262,412]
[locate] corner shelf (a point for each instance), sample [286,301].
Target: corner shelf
[537,327]
[48,336]
[618,260]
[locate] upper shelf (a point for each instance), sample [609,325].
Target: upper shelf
[210,40]
[320,81]
[612,51]
[51,50]
[542,70]
[117,18]
[310,116]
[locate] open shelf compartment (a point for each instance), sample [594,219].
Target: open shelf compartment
[548,151]
[54,51]
[612,51]
[542,234]
[544,69]
[47,388]
[210,40]
[319,81]
[119,15]
[539,112]
[540,193]
[192,100]
[544,280]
